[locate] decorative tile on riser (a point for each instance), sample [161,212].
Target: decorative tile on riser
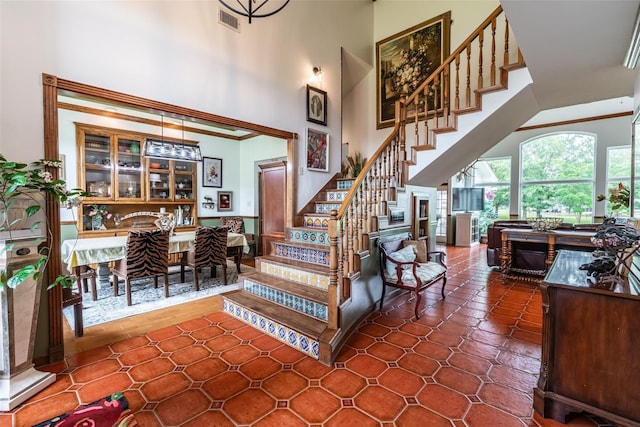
[336,195]
[280,332]
[308,236]
[316,221]
[344,184]
[294,302]
[326,208]
[314,256]
[299,276]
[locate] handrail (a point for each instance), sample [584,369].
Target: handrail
[386,170]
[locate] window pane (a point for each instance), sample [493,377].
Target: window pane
[571,201]
[496,205]
[492,171]
[558,157]
[619,162]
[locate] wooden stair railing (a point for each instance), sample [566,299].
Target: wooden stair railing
[387,168]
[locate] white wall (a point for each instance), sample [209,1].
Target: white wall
[176,52]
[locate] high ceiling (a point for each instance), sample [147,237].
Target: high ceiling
[574,50]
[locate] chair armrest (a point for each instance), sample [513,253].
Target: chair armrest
[437,256]
[399,268]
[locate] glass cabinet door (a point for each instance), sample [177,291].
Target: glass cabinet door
[128,168]
[184,180]
[96,152]
[159,180]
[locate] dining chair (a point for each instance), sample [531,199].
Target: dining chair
[209,250]
[235,224]
[146,254]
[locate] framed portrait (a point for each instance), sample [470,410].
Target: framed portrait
[405,60]
[317,150]
[316,105]
[211,172]
[225,200]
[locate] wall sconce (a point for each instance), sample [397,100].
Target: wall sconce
[317,72]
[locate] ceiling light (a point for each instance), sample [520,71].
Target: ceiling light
[161,149]
[257,8]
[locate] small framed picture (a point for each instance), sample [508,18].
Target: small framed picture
[317,150]
[211,172]
[225,200]
[316,105]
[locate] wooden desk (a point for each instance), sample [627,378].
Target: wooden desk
[590,347]
[552,239]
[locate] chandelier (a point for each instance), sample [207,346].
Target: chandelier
[255,8]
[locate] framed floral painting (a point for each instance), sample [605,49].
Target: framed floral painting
[405,60]
[317,150]
[211,172]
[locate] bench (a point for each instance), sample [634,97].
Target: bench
[407,264]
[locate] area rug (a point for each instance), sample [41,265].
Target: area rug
[146,298]
[110,411]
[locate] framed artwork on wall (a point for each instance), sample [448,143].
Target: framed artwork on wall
[405,60]
[225,200]
[211,172]
[317,150]
[316,105]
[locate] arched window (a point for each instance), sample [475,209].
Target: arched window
[557,176]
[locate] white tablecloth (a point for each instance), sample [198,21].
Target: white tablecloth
[94,250]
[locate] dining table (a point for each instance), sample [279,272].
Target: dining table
[78,253]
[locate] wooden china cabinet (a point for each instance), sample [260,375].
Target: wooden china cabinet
[112,168]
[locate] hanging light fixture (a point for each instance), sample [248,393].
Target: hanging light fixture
[161,149]
[257,8]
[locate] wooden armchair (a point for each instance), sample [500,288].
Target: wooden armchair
[147,254]
[406,264]
[209,250]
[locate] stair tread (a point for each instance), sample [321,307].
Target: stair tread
[290,318]
[294,288]
[316,214]
[312,268]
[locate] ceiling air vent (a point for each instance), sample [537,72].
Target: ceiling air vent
[228,20]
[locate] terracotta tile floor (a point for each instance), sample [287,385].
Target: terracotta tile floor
[470,360]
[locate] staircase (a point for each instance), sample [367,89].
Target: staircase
[301,293]
[288,294]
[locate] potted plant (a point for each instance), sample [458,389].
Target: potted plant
[23,258]
[356,163]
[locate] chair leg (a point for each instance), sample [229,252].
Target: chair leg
[115,285]
[77,320]
[127,289]
[94,289]
[418,297]
[195,279]
[224,273]
[382,297]
[155,282]
[166,284]
[444,282]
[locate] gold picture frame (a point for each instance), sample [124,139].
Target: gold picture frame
[405,60]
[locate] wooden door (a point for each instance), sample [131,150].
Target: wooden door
[273,204]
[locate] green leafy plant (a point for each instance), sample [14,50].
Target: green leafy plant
[618,196]
[356,163]
[30,182]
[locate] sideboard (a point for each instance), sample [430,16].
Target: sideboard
[590,346]
[514,239]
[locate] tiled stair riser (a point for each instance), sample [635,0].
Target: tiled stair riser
[327,207]
[294,302]
[308,236]
[280,332]
[311,255]
[336,195]
[344,185]
[316,221]
[295,275]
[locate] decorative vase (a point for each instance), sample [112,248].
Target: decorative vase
[96,222]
